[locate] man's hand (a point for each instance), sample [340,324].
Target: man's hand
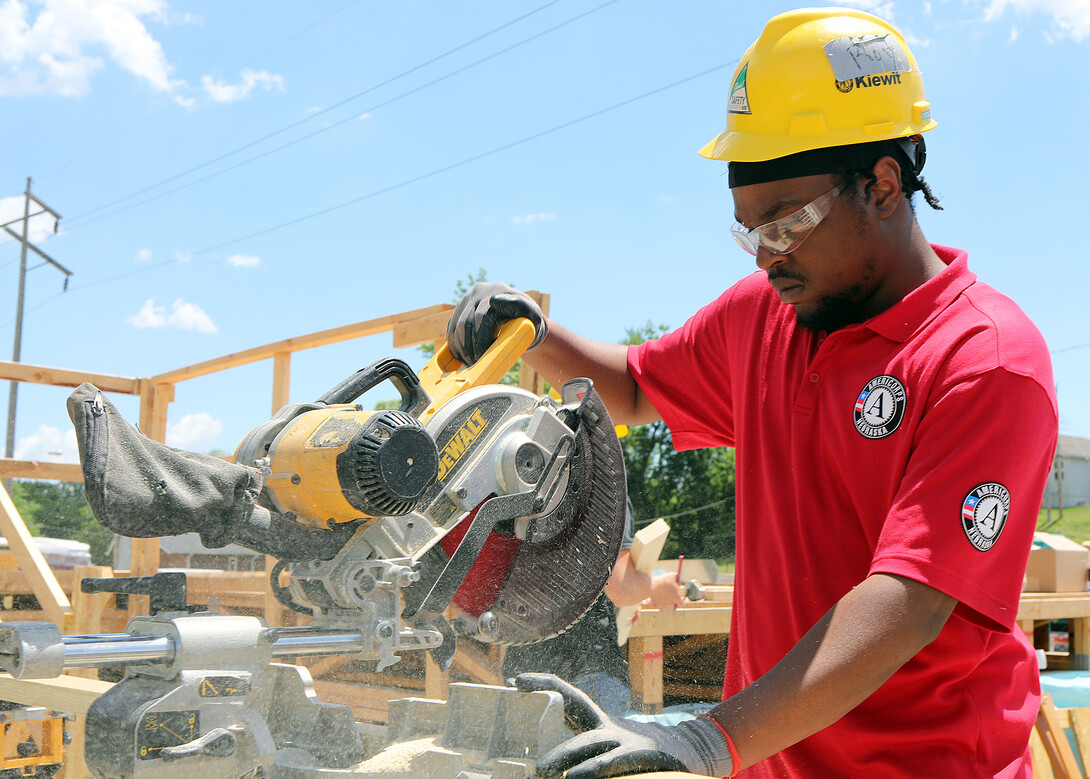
[473,324]
[666,593]
[606,747]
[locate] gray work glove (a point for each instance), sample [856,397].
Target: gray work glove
[473,324]
[606,747]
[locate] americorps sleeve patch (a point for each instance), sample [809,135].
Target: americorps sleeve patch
[984,513]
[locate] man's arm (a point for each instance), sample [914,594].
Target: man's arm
[564,355]
[628,587]
[851,651]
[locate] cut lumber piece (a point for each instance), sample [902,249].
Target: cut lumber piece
[645,552]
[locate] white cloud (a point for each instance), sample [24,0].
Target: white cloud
[193,429]
[143,255]
[48,445]
[1071,17]
[148,316]
[40,227]
[183,256]
[55,47]
[531,218]
[190,316]
[223,92]
[182,316]
[244,260]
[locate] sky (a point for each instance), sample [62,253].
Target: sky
[234,174]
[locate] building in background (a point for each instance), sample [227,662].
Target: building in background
[1069,482]
[187,551]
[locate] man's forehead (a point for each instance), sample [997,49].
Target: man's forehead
[766,201]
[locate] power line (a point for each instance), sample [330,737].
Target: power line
[1069,348]
[424,176]
[174,106]
[324,111]
[683,513]
[347,119]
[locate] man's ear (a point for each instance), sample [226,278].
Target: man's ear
[886,191]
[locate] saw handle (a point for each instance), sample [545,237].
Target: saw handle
[413,397]
[445,376]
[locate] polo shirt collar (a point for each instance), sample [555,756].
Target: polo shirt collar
[901,320]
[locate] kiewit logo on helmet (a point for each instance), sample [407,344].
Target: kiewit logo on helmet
[882,80]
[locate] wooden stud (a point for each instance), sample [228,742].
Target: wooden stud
[68,694]
[300,343]
[33,565]
[30,469]
[436,680]
[1042,767]
[645,673]
[1077,631]
[425,329]
[685,621]
[59,377]
[529,379]
[479,665]
[1055,743]
[154,399]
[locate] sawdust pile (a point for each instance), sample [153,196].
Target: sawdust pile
[398,757]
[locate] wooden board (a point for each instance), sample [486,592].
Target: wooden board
[33,565]
[646,548]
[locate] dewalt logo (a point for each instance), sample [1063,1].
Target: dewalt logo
[461,442]
[879,80]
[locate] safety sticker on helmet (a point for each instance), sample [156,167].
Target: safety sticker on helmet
[739,99]
[867,55]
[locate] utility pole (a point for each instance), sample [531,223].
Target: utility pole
[24,240]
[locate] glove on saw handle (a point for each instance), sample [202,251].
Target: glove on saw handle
[607,747]
[476,317]
[142,489]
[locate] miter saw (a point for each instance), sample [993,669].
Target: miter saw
[474,501]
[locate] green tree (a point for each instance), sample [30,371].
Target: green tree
[60,510]
[694,490]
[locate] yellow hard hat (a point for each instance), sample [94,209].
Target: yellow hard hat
[818,78]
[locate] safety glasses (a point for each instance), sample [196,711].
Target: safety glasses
[786,234]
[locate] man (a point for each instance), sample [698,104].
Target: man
[587,654]
[894,423]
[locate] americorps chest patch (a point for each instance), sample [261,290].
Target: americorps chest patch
[984,512]
[880,407]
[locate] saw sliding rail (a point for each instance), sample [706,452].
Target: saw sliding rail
[123,649]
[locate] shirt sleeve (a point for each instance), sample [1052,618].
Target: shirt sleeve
[964,516]
[687,377]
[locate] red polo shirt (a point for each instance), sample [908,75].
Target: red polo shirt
[918,444]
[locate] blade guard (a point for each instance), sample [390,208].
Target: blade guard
[539,587]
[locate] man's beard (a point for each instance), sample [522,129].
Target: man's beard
[834,311]
[847,307]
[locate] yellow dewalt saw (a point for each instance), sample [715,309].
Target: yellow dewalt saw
[508,506]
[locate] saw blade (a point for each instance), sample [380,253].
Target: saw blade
[558,573]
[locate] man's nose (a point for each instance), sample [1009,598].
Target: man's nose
[766,259]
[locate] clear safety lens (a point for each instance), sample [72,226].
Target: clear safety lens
[786,234]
